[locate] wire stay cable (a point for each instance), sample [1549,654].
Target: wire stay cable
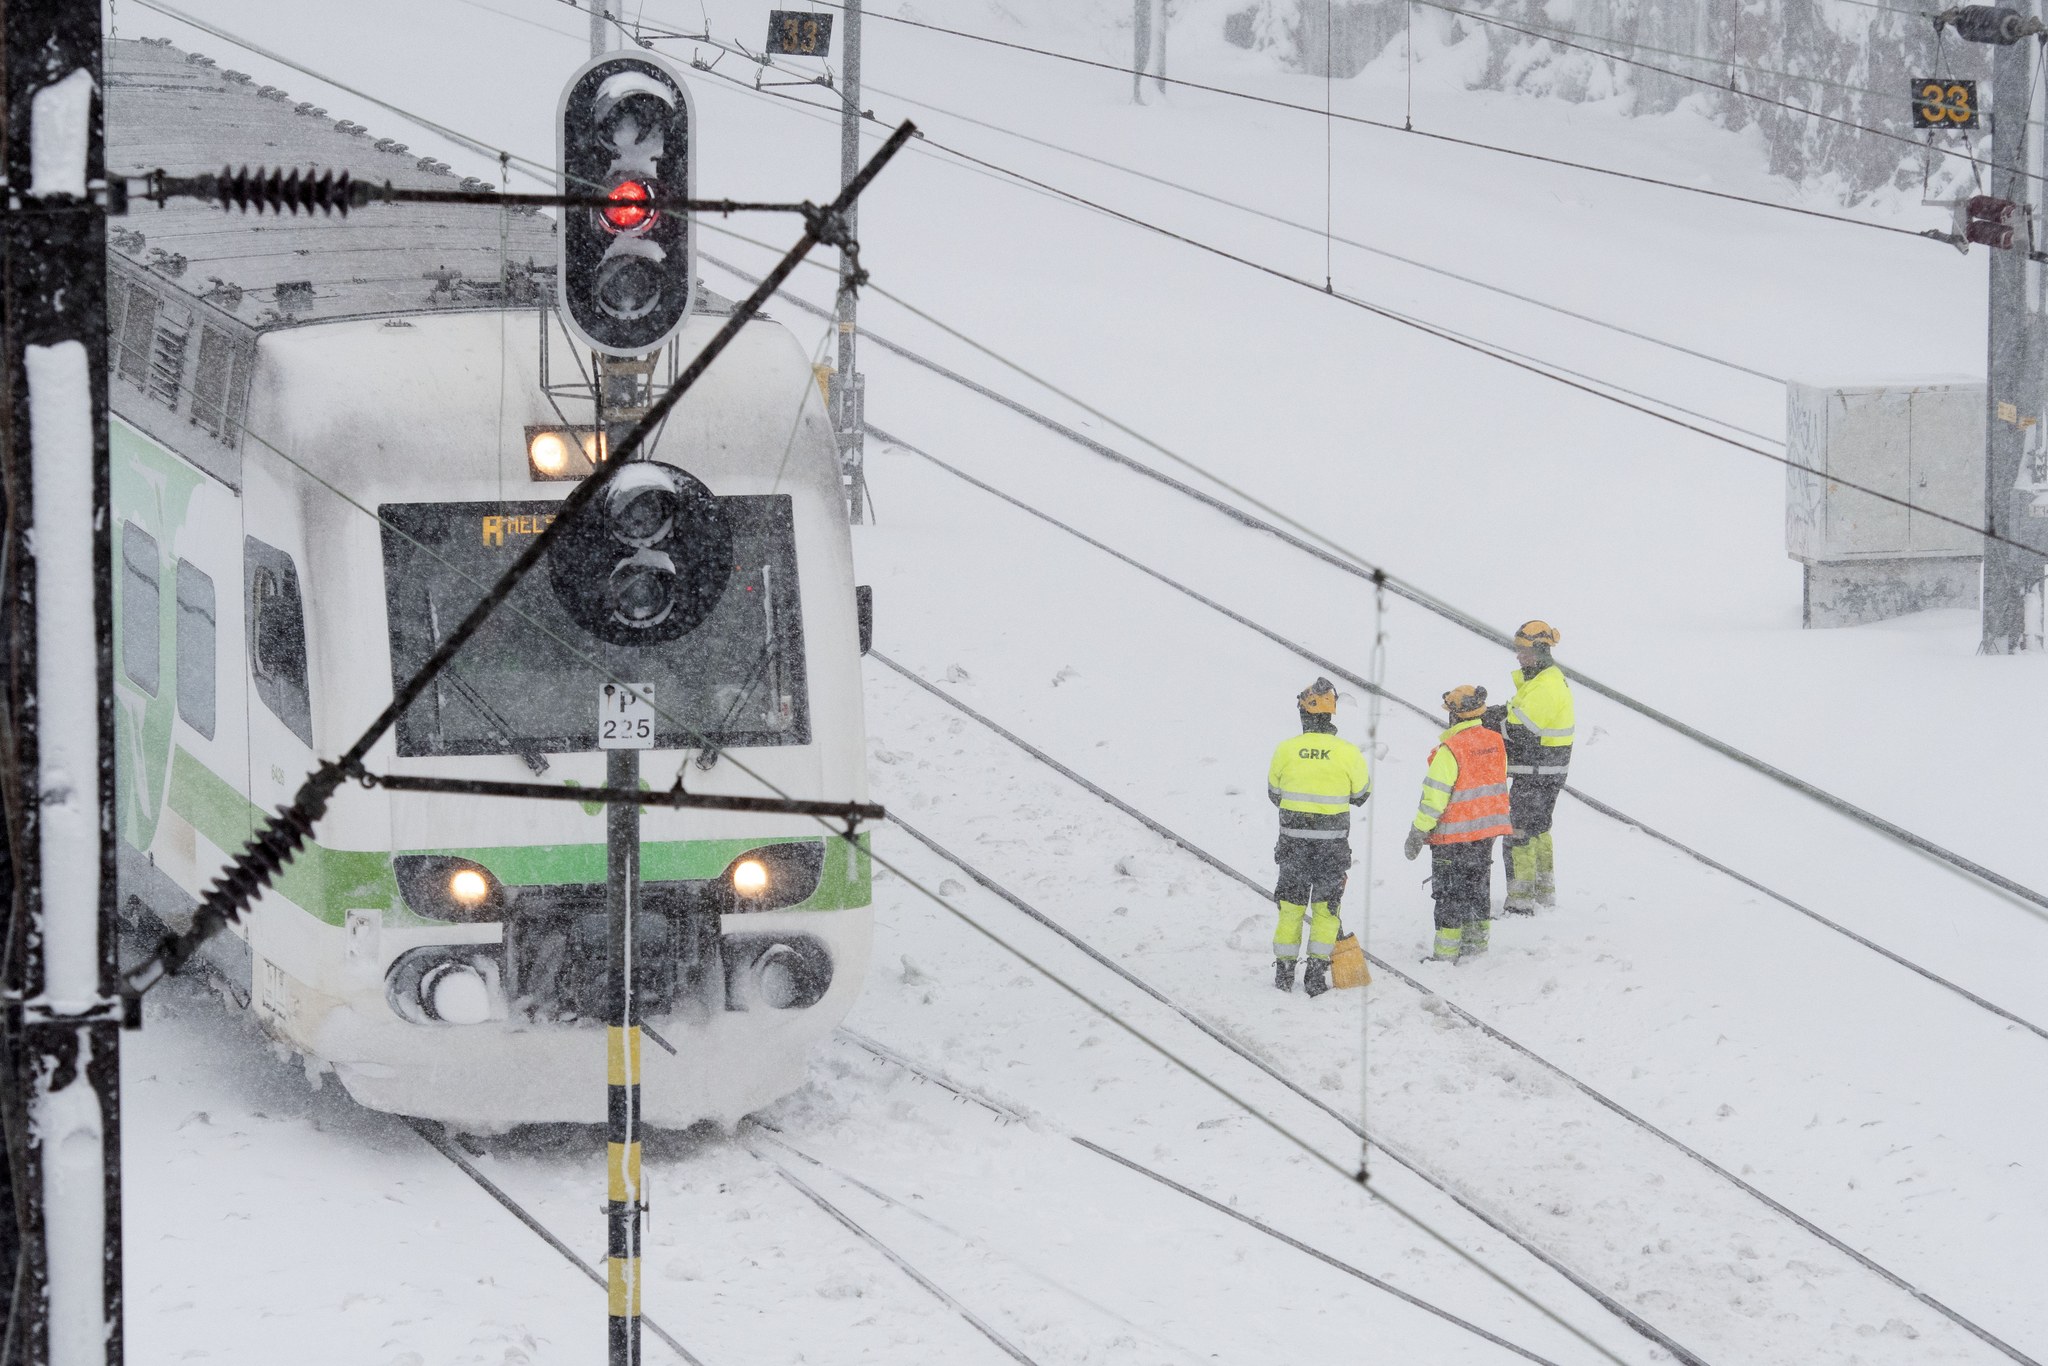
[1264,893]
[1376,690]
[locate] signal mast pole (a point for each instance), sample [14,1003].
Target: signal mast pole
[60,1232]
[622,1031]
[848,388]
[2013,394]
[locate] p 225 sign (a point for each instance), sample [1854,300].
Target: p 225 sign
[1941,103]
[799,33]
[625,716]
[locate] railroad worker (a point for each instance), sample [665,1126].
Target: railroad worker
[1538,726]
[1315,779]
[1464,805]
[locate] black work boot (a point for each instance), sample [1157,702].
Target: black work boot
[1315,978]
[1283,973]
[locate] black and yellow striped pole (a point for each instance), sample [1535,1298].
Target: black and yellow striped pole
[622,1064]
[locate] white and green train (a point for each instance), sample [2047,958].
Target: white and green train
[327,441]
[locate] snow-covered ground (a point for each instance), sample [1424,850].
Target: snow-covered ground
[1886,1111]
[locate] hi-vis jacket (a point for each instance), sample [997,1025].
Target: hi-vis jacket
[1465,795]
[1315,779]
[1539,723]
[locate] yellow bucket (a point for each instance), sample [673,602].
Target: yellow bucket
[1347,963]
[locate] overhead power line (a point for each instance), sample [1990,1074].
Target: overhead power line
[1363,121]
[1284,221]
[1307,538]
[1531,366]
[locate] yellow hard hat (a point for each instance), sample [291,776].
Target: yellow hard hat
[1465,701]
[1318,698]
[1535,633]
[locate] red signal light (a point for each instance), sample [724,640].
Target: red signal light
[629,211]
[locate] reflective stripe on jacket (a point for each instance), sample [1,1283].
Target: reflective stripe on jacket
[1315,779]
[1465,795]
[1540,721]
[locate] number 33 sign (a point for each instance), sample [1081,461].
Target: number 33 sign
[799,33]
[1944,104]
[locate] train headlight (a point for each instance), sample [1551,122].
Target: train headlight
[772,876]
[750,877]
[548,453]
[444,887]
[469,888]
[648,561]
[595,447]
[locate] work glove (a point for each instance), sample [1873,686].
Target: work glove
[1494,719]
[1416,839]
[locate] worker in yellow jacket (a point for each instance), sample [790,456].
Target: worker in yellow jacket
[1464,806]
[1537,724]
[1315,779]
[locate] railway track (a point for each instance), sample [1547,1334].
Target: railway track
[1005,1114]
[1387,969]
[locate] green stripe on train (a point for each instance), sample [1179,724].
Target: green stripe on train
[328,883]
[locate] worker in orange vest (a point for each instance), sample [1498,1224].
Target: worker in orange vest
[1464,806]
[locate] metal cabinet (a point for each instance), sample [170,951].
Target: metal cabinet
[1868,557]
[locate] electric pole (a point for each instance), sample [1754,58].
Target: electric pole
[60,1102]
[2013,389]
[849,406]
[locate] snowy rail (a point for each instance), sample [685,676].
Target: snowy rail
[1263,892]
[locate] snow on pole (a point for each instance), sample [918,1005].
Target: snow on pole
[62,1021]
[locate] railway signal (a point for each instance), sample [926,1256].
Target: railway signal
[627,272]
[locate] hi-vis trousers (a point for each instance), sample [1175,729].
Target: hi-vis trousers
[1311,884]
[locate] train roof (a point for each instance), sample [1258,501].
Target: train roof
[192,288]
[182,112]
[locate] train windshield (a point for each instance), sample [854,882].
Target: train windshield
[528,682]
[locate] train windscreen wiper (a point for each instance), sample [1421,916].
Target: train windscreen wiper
[500,728]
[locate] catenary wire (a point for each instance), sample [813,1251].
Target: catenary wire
[1464,142]
[1539,368]
[1264,893]
[2034,900]
[1338,556]
[1376,690]
[1346,118]
[1284,221]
